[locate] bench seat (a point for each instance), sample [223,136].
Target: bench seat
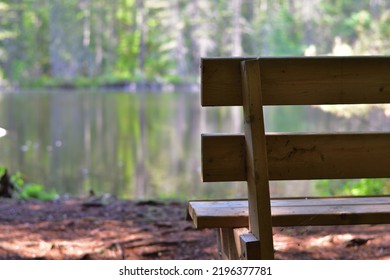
[294,211]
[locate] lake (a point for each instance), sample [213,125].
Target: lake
[144,145]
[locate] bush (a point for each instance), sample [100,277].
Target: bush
[36,191]
[353,187]
[24,190]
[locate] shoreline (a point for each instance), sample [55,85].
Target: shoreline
[131,87]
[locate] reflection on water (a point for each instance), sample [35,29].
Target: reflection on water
[135,145]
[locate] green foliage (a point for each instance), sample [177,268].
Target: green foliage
[340,16]
[286,37]
[2,170]
[359,21]
[36,191]
[29,190]
[353,187]
[173,79]
[366,187]
[17,179]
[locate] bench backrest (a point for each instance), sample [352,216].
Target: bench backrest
[257,158]
[300,81]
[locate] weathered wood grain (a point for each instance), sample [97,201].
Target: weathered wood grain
[301,156]
[260,223]
[295,212]
[223,157]
[300,80]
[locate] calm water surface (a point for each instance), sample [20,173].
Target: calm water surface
[133,145]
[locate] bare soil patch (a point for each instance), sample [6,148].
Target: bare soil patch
[122,229]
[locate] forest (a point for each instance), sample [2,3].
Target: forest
[103,42]
[116,167]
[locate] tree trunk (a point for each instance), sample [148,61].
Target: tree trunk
[180,50]
[237,30]
[143,27]
[65,40]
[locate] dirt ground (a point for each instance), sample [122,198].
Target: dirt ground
[121,229]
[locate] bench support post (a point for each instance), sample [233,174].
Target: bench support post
[260,221]
[237,244]
[229,248]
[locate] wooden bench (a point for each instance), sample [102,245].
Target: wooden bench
[245,226]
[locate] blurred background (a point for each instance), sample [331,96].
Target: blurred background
[103,95]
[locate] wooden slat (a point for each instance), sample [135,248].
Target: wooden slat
[300,80]
[301,156]
[223,158]
[214,85]
[331,156]
[260,223]
[295,212]
[301,201]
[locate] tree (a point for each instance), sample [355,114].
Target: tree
[162,41]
